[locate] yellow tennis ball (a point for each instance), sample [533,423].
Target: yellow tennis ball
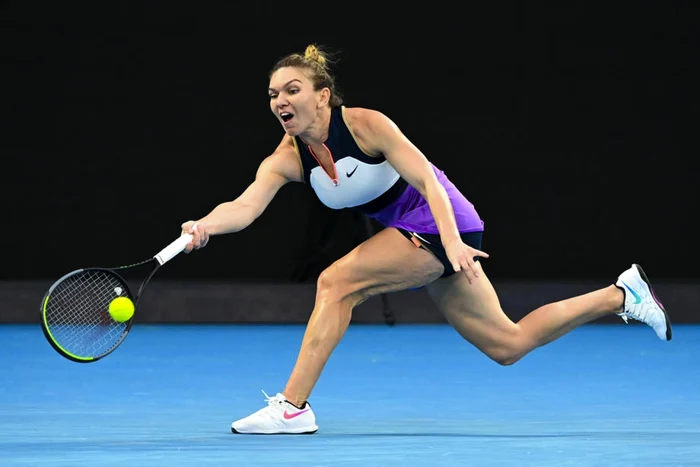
[121,309]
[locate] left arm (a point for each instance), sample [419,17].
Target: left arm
[379,134]
[415,168]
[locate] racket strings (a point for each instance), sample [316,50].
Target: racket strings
[77,313]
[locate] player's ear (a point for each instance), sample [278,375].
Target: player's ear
[324,97]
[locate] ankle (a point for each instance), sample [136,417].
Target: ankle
[617,299]
[298,405]
[296,402]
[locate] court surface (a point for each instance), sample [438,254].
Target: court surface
[409,395]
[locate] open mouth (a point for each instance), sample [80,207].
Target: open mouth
[286,116]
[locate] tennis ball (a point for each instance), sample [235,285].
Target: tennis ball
[121,309]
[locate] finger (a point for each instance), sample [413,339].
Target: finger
[480,253]
[468,274]
[195,237]
[459,265]
[203,235]
[471,265]
[470,269]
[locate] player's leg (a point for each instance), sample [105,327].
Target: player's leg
[475,312]
[385,263]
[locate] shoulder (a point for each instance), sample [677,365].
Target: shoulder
[368,126]
[284,160]
[360,118]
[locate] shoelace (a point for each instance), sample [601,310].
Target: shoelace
[274,403]
[272,400]
[644,311]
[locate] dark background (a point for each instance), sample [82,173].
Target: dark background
[572,129]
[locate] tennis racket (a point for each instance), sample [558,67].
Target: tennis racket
[75,310]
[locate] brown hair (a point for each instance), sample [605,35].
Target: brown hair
[316,60]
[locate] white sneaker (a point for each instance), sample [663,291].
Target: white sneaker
[641,303]
[279,417]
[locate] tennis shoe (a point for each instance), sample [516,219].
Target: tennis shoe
[279,417]
[641,303]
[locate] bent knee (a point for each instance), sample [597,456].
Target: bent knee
[329,281]
[505,358]
[334,283]
[507,354]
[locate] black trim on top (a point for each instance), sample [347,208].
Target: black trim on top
[383,200]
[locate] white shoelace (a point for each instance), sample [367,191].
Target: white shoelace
[274,404]
[644,311]
[272,400]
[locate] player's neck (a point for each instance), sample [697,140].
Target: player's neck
[317,133]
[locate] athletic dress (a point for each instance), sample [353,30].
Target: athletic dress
[372,186]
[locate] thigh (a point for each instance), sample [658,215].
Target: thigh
[386,262]
[433,243]
[473,309]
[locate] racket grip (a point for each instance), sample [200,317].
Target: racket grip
[172,250]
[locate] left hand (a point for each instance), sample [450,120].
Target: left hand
[462,256]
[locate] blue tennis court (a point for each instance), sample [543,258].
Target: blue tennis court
[409,395]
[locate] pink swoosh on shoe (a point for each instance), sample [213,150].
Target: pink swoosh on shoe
[289,416]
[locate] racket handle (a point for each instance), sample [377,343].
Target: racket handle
[172,250]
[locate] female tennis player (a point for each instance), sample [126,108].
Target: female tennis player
[357,158]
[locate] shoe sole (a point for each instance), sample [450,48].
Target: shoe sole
[669,332]
[233,430]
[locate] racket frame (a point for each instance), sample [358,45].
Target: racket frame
[165,255]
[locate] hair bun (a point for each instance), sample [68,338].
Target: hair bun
[313,53]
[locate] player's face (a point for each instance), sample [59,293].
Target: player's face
[293,99]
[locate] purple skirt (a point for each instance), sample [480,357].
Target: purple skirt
[411,211]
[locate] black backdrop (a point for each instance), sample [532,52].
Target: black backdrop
[572,130]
